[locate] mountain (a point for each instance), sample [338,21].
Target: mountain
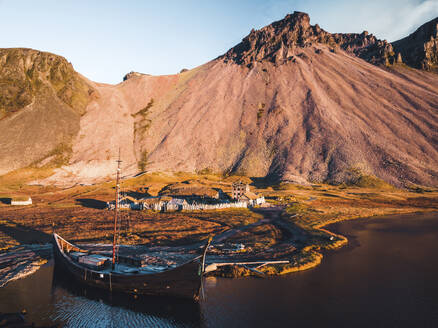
[420,49]
[291,102]
[279,41]
[41,102]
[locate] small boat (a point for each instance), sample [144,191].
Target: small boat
[129,274]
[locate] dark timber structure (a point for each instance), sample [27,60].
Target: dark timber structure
[239,189]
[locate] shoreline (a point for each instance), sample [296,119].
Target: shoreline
[302,259]
[313,254]
[22,261]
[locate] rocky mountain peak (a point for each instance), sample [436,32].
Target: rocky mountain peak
[132,74]
[297,20]
[272,41]
[279,42]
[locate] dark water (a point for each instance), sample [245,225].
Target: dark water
[386,277]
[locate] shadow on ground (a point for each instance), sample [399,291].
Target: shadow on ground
[92,203]
[23,234]
[5,200]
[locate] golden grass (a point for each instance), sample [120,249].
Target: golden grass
[303,261]
[19,179]
[369,181]
[81,224]
[308,210]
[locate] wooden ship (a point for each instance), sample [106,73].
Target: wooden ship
[129,274]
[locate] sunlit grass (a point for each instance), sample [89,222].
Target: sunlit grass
[308,209]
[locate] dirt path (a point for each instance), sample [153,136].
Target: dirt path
[272,216]
[269,214]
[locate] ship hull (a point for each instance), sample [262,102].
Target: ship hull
[183,281]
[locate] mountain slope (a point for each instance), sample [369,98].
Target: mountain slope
[316,118]
[41,101]
[291,102]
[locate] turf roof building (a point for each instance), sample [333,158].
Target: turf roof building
[21,201]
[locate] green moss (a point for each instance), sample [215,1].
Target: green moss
[296,208]
[27,73]
[357,177]
[145,111]
[141,126]
[260,114]
[260,111]
[60,156]
[14,94]
[143,162]
[369,181]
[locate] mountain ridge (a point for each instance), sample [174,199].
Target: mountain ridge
[276,42]
[292,102]
[420,48]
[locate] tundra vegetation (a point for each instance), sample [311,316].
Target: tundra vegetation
[78,214]
[141,126]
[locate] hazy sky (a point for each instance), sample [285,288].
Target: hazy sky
[106,39]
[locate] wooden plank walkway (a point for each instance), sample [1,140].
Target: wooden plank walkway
[214,266]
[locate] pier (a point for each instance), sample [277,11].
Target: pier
[253,266]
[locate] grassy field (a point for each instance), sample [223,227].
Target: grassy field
[296,233]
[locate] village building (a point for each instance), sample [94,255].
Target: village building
[242,193]
[252,198]
[21,201]
[239,189]
[192,198]
[125,202]
[194,192]
[175,204]
[154,203]
[151,203]
[221,194]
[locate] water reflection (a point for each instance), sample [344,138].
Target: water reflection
[77,306]
[32,294]
[49,297]
[385,277]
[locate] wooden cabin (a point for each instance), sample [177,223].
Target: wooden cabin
[239,189]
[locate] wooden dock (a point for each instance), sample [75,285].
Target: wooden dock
[253,266]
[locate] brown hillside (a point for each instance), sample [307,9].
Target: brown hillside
[41,100]
[292,102]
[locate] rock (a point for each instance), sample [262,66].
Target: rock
[279,40]
[324,113]
[399,58]
[132,74]
[420,49]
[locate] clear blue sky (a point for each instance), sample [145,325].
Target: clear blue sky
[104,39]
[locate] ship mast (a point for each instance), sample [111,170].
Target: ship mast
[116,212]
